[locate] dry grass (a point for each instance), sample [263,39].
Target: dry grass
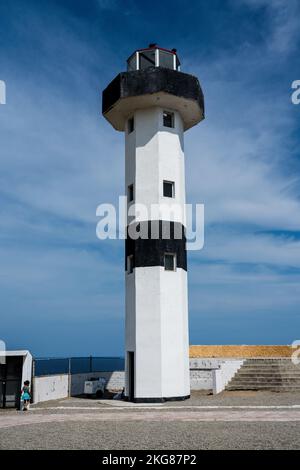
[242,351]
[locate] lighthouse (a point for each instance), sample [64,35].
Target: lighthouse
[154,103]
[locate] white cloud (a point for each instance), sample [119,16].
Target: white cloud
[242,161]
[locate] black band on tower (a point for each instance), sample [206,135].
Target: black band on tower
[156,238]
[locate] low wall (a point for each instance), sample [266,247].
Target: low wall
[115,381]
[222,376]
[201,379]
[212,373]
[55,387]
[50,387]
[205,374]
[201,375]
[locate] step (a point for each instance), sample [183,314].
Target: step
[266,359]
[265,382]
[266,374]
[268,371]
[274,370]
[286,361]
[281,368]
[292,369]
[258,387]
[269,375]
[274,373]
[271,366]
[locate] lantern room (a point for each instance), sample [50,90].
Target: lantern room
[153,56]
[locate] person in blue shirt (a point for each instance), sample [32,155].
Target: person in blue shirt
[26,396]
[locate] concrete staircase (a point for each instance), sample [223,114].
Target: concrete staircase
[278,375]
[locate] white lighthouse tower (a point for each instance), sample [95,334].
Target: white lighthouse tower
[154,103]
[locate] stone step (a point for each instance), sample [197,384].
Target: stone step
[271,364]
[287,367]
[274,373]
[265,387]
[267,377]
[268,374]
[262,385]
[266,382]
[266,360]
[271,368]
[262,376]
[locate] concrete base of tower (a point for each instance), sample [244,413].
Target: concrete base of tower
[157,399]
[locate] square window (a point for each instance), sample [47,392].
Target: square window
[146,59]
[166,59]
[169,189]
[130,125]
[129,264]
[170,262]
[168,119]
[130,193]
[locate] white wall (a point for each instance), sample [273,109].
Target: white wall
[115,381]
[154,153]
[222,376]
[54,387]
[156,300]
[157,331]
[50,387]
[202,377]
[174,333]
[213,373]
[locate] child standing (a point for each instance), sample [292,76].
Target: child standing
[25,397]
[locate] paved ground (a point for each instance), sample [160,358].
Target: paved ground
[231,420]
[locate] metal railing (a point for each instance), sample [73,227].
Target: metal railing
[76,365]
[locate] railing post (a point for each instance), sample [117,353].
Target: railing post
[69,376]
[32,381]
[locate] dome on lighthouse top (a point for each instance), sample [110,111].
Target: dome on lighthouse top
[153,56]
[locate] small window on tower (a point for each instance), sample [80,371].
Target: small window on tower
[168,119]
[130,194]
[170,262]
[129,264]
[130,125]
[169,189]
[147,59]
[166,59]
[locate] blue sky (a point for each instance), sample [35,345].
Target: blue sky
[61,289]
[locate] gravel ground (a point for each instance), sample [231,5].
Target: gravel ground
[79,423]
[242,398]
[153,435]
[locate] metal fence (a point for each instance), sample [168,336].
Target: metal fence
[76,365]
